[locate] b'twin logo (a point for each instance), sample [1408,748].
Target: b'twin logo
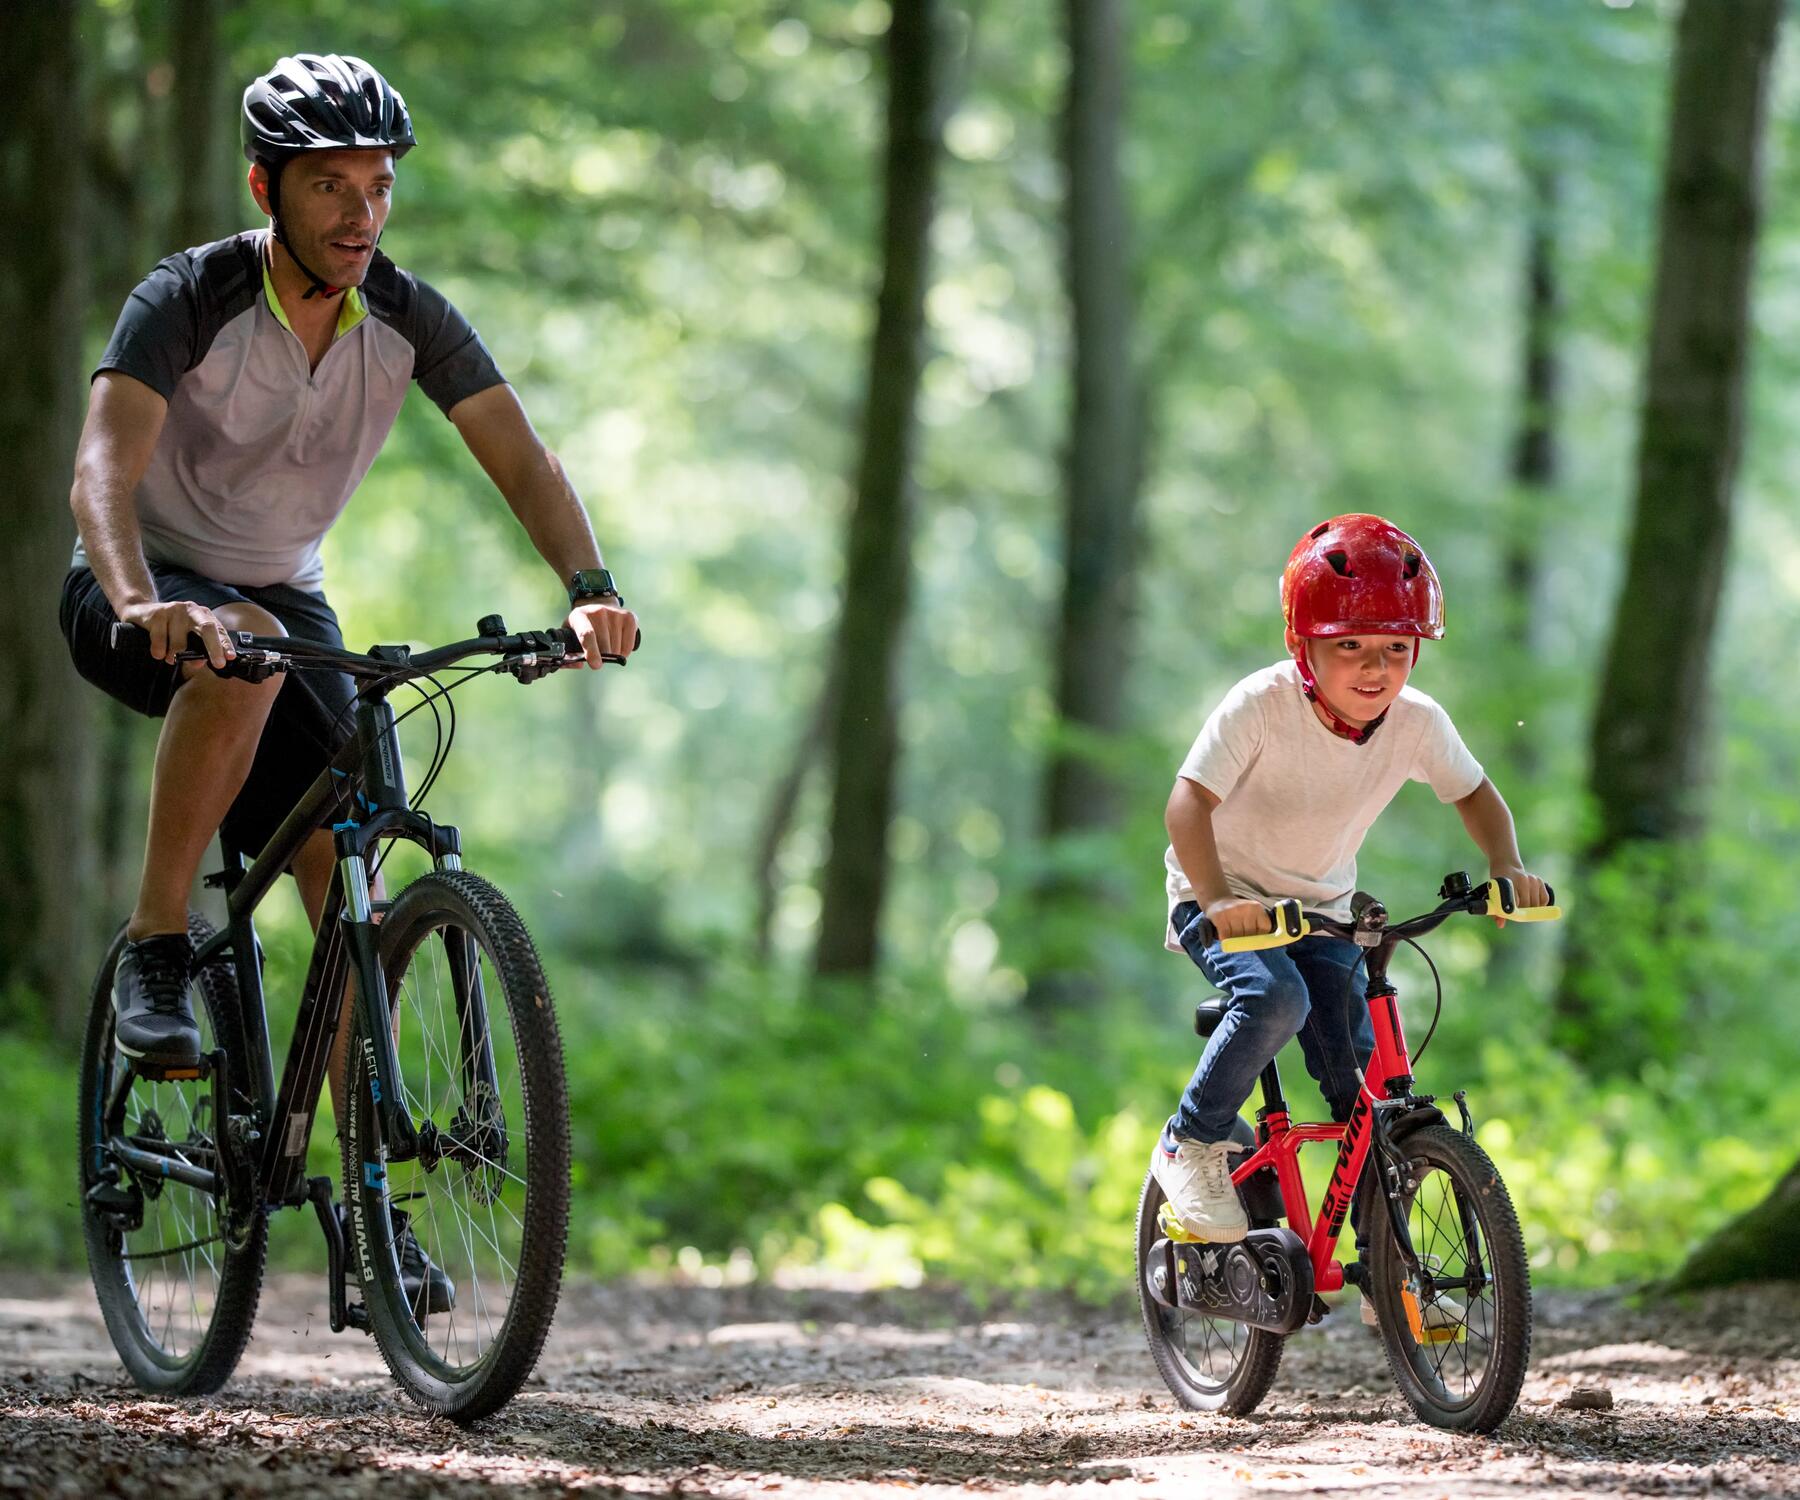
[1333,1209]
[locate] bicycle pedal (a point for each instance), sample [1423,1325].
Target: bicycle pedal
[157,1073]
[1172,1227]
[1454,1333]
[357,1316]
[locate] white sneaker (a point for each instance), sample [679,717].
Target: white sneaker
[1196,1179]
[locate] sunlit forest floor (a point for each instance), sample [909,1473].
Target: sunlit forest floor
[755,1390]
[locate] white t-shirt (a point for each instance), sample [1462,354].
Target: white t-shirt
[1296,800]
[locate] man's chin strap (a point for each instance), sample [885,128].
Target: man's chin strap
[319,287]
[1342,727]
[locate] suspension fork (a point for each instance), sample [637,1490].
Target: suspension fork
[360,932]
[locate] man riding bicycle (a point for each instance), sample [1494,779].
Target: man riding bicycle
[248,386]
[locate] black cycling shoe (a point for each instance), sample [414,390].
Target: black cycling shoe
[422,1282]
[154,1017]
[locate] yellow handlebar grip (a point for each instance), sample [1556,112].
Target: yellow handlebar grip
[1286,923]
[1497,907]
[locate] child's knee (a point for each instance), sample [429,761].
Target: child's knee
[1281,1010]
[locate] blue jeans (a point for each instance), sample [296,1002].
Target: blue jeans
[1270,997]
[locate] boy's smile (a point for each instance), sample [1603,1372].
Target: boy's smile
[1360,676]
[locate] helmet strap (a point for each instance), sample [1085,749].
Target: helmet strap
[1341,727]
[319,287]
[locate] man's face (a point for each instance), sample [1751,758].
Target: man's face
[333,205]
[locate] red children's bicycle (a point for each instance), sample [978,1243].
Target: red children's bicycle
[1447,1272]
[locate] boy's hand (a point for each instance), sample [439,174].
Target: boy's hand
[1528,889]
[1232,916]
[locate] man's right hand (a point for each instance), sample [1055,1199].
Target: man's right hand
[1232,916]
[169,622]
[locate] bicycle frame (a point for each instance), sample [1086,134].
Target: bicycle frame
[1279,1140]
[364,789]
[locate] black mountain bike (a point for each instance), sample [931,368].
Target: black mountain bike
[456,1120]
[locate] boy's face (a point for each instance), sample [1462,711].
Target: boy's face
[1360,675]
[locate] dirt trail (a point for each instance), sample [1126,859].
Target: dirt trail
[760,1391]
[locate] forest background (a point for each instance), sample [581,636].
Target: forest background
[948,439]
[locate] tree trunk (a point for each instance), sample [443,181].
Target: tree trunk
[1536,459]
[1755,1246]
[879,562]
[1653,694]
[1103,461]
[1648,721]
[198,119]
[46,793]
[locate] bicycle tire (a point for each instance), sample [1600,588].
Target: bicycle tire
[1494,1322]
[533,1096]
[216,1341]
[1238,1381]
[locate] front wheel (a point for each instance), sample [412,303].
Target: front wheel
[1458,1352]
[487,1196]
[1208,1364]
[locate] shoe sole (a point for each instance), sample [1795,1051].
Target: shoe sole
[1193,1233]
[158,1059]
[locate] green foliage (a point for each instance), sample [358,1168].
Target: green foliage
[661,217]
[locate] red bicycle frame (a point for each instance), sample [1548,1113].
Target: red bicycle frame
[1279,1142]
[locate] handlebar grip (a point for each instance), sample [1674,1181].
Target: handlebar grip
[134,640]
[574,645]
[1287,924]
[1501,902]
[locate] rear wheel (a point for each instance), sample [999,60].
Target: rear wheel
[1458,1353]
[487,1197]
[1208,1364]
[178,1293]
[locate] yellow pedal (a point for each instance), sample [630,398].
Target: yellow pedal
[1172,1227]
[1453,1333]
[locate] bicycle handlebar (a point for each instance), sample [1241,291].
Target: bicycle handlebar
[528,654]
[1288,922]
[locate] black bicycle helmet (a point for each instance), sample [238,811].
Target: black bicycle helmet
[310,102]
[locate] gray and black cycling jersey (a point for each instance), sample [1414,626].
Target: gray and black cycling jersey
[259,453]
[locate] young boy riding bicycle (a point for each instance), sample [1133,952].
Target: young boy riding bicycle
[1273,802]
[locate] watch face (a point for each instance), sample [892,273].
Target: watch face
[590,583]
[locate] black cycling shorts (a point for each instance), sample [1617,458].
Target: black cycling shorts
[307,724]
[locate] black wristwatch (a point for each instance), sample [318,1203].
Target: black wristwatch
[593,583]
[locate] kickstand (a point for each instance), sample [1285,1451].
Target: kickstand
[318,1193]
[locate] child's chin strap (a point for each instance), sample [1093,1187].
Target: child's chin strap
[1341,727]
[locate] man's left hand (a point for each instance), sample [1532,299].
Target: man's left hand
[603,629]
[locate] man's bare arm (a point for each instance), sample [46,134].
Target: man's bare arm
[494,425]
[124,420]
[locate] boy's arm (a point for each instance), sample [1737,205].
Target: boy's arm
[1188,818]
[1490,824]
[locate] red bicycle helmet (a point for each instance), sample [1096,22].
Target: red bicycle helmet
[1358,575]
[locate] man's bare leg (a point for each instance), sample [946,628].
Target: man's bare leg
[203,755]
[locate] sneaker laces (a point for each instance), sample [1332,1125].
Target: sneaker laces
[165,965]
[1214,1169]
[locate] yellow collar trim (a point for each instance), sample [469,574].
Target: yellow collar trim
[352,311]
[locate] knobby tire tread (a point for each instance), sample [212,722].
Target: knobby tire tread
[1503,1249]
[241,1279]
[1254,1371]
[477,906]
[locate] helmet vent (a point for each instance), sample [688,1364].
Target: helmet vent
[1318,531]
[1412,564]
[1340,564]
